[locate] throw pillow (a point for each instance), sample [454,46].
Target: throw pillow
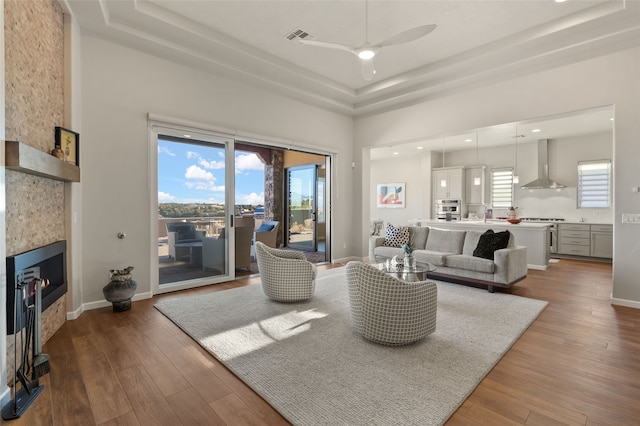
[396,237]
[265,227]
[491,241]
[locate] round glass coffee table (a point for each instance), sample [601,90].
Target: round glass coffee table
[409,274]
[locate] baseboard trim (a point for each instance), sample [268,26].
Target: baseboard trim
[6,396]
[103,304]
[346,259]
[537,267]
[624,302]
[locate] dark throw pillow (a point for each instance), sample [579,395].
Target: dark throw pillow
[396,237]
[491,241]
[265,227]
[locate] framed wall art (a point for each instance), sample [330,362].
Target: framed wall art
[69,142]
[391,195]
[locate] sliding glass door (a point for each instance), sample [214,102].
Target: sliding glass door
[306,207]
[195,209]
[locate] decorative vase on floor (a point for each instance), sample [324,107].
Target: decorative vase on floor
[409,261]
[120,289]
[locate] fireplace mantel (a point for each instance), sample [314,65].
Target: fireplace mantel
[26,159]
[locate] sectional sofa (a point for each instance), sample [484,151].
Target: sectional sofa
[452,253]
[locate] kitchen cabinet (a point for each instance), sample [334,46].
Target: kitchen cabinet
[602,241]
[448,183]
[474,194]
[574,238]
[585,240]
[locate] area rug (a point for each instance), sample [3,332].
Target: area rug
[307,361]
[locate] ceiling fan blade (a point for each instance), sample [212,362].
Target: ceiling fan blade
[368,70]
[327,45]
[408,35]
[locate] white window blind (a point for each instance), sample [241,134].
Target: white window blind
[594,184]
[502,187]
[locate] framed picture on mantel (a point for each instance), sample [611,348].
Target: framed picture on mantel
[69,142]
[390,195]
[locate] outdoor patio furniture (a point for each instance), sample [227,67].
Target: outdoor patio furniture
[180,233]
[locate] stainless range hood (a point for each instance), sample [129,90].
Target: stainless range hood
[543,180]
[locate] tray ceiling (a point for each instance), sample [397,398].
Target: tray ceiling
[474,42]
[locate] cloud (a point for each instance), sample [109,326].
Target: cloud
[163,196]
[246,162]
[204,186]
[165,150]
[252,199]
[195,172]
[215,165]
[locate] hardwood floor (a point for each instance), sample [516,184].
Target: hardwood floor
[577,364]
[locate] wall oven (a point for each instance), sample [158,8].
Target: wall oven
[448,209]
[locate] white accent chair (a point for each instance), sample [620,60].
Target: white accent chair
[387,310]
[287,276]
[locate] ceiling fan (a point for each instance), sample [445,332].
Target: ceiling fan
[367,52]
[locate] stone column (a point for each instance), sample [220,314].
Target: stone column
[274,197]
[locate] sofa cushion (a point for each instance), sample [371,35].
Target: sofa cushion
[388,252]
[491,241]
[418,237]
[396,236]
[437,258]
[445,240]
[470,263]
[471,242]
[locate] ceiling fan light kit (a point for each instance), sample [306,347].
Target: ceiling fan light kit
[367,51]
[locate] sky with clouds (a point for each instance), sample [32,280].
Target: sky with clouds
[191,173]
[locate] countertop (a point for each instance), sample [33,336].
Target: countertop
[576,222]
[488,223]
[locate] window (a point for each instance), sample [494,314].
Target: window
[594,184]
[502,187]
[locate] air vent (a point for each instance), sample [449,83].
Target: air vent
[298,34]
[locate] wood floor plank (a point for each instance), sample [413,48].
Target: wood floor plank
[107,397]
[146,399]
[577,364]
[234,411]
[193,410]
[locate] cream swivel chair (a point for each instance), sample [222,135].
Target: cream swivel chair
[286,275]
[387,310]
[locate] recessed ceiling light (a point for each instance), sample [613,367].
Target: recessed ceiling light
[187,136]
[396,153]
[468,140]
[611,119]
[419,147]
[559,1]
[535,131]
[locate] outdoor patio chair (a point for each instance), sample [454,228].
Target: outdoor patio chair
[182,232]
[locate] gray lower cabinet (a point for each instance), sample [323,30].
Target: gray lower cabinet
[602,241]
[580,239]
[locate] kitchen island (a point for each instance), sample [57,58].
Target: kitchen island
[534,236]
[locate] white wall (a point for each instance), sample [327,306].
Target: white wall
[119,87]
[607,80]
[407,170]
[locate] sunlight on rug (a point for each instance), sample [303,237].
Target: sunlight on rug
[306,360]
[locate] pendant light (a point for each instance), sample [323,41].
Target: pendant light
[443,182]
[476,180]
[516,178]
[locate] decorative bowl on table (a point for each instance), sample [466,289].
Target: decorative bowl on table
[514,221]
